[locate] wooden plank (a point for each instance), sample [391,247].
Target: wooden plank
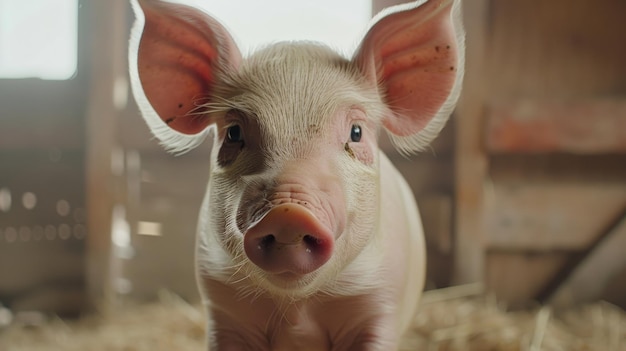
[533,126]
[557,168]
[550,216]
[588,280]
[557,49]
[470,159]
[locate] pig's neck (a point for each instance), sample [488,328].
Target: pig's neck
[316,323]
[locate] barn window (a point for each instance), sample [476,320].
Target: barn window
[38,39]
[253,23]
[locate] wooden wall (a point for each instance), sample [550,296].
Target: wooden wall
[541,166]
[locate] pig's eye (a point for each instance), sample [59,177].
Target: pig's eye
[234,134]
[355,133]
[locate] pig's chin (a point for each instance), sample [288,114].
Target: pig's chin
[290,285]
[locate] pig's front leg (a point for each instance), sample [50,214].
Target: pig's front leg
[382,337]
[226,336]
[321,323]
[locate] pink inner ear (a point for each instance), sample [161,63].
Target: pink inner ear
[180,52]
[415,55]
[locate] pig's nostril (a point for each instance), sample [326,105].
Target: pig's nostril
[311,241]
[267,241]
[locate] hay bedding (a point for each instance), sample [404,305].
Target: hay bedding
[449,319]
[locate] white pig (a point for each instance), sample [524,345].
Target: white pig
[308,238]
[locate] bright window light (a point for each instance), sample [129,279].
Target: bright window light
[38,39]
[254,24]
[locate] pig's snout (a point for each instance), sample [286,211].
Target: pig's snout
[288,240]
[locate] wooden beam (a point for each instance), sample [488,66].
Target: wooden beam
[582,127]
[584,279]
[544,216]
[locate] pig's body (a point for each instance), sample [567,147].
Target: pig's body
[368,320]
[309,239]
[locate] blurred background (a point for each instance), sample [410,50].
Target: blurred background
[524,191]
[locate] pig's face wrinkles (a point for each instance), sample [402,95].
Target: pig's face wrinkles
[254,195]
[318,201]
[258,199]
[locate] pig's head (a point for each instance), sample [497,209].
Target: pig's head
[293,193]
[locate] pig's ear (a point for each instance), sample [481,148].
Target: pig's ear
[176,54]
[415,55]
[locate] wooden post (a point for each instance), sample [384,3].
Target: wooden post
[471,161]
[108,61]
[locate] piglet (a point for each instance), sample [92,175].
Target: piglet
[308,238]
